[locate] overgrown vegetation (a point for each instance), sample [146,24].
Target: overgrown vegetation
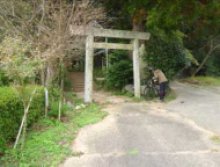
[168,54]
[20,66]
[185,29]
[44,147]
[35,47]
[11,112]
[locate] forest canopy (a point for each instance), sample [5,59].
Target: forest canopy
[194,27]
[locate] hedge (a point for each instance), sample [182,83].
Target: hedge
[11,112]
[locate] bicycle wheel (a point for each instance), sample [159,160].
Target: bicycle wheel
[146,90]
[150,92]
[156,90]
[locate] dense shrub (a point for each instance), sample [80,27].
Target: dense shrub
[11,112]
[3,79]
[120,71]
[168,55]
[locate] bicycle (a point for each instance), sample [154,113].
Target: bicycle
[151,87]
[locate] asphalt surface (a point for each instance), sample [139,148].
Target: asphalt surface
[177,134]
[201,104]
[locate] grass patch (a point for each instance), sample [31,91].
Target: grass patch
[137,100]
[133,152]
[128,95]
[216,139]
[91,114]
[49,144]
[171,95]
[203,81]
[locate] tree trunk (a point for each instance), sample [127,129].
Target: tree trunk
[139,20]
[202,64]
[206,58]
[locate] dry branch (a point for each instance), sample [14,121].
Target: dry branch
[24,119]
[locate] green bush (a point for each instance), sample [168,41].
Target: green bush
[167,55]
[3,79]
[54,94]
[120,71]
[11,112]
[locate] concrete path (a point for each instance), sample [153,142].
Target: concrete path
[151,135]
[201,104]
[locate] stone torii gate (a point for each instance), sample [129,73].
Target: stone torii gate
[90,34]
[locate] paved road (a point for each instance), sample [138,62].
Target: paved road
[152,135]
[199,104]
